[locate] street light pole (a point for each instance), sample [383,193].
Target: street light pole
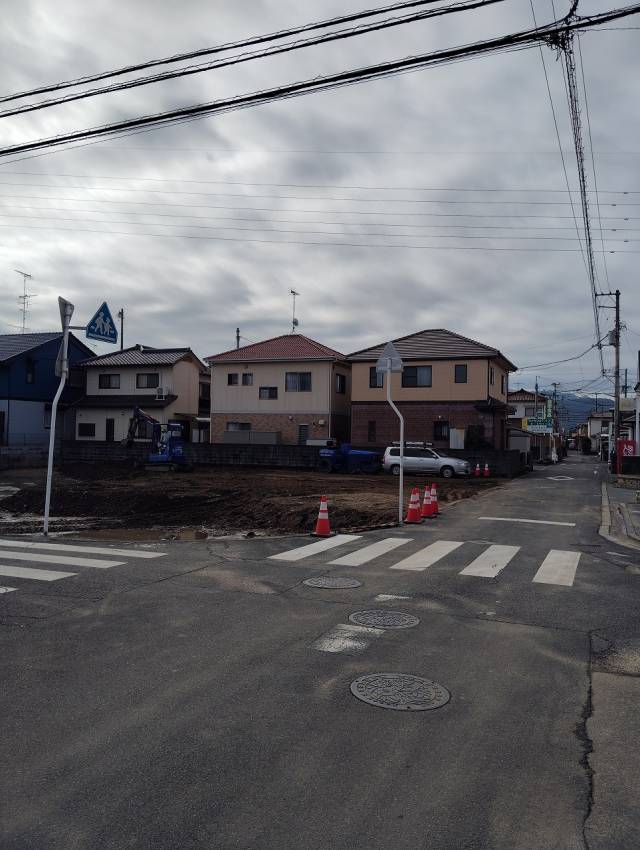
[401,418]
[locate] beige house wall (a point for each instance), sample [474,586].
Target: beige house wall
[239,399]
[443,386]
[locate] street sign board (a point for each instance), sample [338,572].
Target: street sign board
[102,327]
[388,357]
[538,426]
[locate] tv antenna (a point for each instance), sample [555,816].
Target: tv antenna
[294,321]
[24,298]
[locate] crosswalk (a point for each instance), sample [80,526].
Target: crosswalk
[39,555]
[558,567]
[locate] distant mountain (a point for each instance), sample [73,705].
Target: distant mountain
[575,407]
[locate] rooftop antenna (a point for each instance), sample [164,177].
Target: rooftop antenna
[294,321]
[24,298]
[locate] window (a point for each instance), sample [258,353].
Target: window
[109,382]
[145,431]
[46,421]
[461,373]
[376,379]
[268,392]
[238,426]
[341,383]
[30,376]
[492,375]
[247,379]
[297,382]
[502,384]
[86,429]
[204,390]
[441,430]
[371,431]
[147,380]
[416,376]
[232,379]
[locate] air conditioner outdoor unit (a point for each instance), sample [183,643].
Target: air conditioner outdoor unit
[161,393]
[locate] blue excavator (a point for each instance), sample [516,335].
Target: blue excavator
[167,443]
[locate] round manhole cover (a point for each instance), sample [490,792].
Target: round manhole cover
[332,582]
[400,691]
[384,619]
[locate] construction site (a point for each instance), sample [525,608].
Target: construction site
[114,500]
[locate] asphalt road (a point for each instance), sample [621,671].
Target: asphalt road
[201,698]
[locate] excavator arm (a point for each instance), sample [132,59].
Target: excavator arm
[139,416]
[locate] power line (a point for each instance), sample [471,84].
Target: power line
[516,41]
[247,57]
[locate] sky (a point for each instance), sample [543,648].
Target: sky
[430,199]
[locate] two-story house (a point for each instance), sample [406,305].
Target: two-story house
[28,383]
[168,383]
[288,389]
[452,393]
[524,404]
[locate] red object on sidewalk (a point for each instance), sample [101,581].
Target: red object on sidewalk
[414,513]
[434,500]
[625,448]
[477,472]
[323,529]
[486,470]
[427,504]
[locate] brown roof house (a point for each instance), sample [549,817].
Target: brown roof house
[452,393]
[288,389]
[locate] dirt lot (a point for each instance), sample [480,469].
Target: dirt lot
[220,500]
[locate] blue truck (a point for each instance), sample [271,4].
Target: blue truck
[344,458]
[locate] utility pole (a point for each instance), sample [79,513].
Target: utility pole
[625,386]
[121,317]
[616,415]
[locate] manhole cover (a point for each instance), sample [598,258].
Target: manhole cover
[384,619]
[332,582]
[400,691]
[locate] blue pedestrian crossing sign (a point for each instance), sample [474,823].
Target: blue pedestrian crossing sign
[102,327]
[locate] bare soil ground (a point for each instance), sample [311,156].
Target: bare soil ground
[221,500]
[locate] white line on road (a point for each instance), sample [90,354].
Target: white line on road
[361,556]
[534,521]
[346,638]
[314,548]
[95,550]
[389,597]
[65,560]
[619,554]
[426,557]
[491,562]
[559,567]
[6,589]
[25,572]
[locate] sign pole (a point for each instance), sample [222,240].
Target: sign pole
[66,311]
[401,418]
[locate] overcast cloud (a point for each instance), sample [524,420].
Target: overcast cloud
[481,124]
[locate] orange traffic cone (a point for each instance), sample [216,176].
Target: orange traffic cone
[323,529]
[486,470]
[427,505]
[434,500]
[414,513]
[477,472]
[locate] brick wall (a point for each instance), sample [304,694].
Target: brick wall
[419,420]
[286,424]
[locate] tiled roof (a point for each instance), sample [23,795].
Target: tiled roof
[434,344]
[13,344]
[140,355]
[127,401]
[285,347]
[525,395]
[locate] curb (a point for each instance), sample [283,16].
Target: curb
[630,541]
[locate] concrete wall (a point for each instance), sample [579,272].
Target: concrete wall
[23,457]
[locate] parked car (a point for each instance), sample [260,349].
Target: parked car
[424,460]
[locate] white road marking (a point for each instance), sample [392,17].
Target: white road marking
[314,548]
[6,589]
[426,557]
[25,572]
[361,556]
[491,561]
[65,560]
[534,521]
[346,638]
[619,554]
[389,597]
[95,550]
[559,567]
